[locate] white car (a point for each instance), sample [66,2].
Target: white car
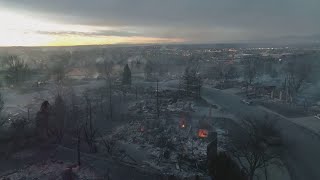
[317,116]
[246,101]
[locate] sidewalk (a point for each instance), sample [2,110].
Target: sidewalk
[311,123]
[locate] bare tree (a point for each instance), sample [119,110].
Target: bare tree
[250,70]
[225,71]
[149,70]
[297,72]
[90,131]
[231,72]
[59,72]
[253,146]
[108,143]
[105,68]
[78,126]
[2,122]
[78,132]
[17,69]
[61,64]
[107,72]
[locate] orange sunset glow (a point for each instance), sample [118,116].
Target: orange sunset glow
[20,29]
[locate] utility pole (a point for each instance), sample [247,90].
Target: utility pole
[90,117]
[158,98]
[136,92]
[78,146]
[110,100]
[108,82]
[28,114]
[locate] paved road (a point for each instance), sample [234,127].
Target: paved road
[302,154]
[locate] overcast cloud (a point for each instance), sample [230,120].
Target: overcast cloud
[194,20]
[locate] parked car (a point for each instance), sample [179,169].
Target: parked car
[246,101]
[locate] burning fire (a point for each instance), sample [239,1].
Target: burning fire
[203,133]
[182,122]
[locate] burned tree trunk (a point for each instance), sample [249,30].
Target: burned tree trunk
[78,150]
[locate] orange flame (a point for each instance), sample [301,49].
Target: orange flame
[203,133]
[182,122]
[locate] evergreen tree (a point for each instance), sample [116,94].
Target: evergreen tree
[59,115]
[191,82]
[126,79]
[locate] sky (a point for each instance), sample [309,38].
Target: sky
[91,22]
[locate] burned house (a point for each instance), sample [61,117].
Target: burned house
[259,90]
[264,89]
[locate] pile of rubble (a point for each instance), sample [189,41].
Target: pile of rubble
[170,148]
[171,141]
[149,106]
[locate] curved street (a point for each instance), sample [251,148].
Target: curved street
[301,154]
